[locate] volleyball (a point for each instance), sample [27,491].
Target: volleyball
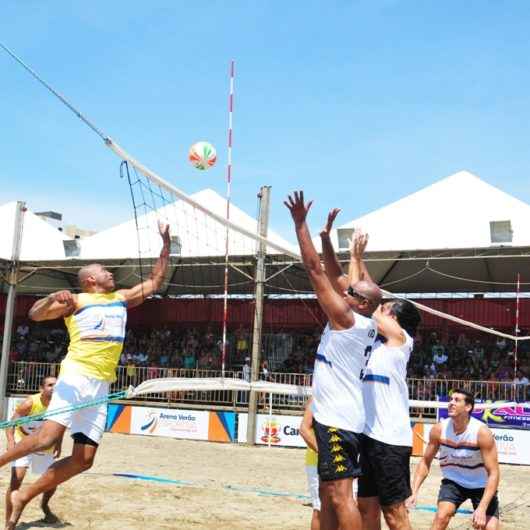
[202,155]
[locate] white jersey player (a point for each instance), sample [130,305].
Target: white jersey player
[337,387]
[468,460]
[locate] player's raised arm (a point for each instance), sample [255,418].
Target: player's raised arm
[55,305]
[336,275]
[137,294]
[357,270]
[336,309]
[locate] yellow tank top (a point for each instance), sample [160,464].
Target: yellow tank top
[311,457]
[37,407]
[97,332]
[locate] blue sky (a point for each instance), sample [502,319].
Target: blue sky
[357,102]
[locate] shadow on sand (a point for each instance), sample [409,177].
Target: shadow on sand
[40,523]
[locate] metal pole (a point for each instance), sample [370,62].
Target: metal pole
[10,304]
[263,223]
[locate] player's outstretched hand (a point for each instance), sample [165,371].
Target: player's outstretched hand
[358,244]
[329,225]
[297,207]
[163,229]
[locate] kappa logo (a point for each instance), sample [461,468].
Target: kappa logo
[152,422]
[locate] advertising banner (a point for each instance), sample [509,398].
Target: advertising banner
[513,446]
[518,416]
[171,423]
[275,429]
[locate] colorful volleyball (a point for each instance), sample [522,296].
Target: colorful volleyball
[202,155]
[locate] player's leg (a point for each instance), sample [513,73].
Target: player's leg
[49,516]
[87,426]
[392,470]
[18,472]
[81,459]
[338,463]
[328,517]
[315,520]
[40,463]
[313,486]
[368,493]
[444,513]
[45,438]
[397,516]
[492,523]
[370,512]
[450,497]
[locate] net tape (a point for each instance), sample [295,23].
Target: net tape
[183,384]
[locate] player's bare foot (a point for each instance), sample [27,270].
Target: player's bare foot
[18,503]
[49,516]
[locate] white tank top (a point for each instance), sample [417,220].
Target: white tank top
[337,380]
[460,457]
[386,395]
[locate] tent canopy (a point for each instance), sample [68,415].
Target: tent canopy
[457,235]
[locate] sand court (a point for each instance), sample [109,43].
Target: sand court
[201,485]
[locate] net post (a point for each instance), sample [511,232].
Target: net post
[263,222]
[10,304]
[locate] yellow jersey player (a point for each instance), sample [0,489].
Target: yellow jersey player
[37,462]
[95,320]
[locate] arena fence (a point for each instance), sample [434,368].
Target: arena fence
[25,377]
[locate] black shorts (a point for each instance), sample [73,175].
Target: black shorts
[385,471]
[338,452]
[452,492]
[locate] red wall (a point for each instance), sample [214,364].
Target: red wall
[298,313]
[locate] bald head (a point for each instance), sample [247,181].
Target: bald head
[87,272]
[371,293]
[95,278]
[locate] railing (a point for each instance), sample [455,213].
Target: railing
[25,378]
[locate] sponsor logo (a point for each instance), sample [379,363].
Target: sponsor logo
[169,422]
[270,430]
[506,444]
[151,422]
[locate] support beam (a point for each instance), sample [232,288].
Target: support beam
[10,305]
[263,223]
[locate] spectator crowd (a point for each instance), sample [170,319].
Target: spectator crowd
[455,356]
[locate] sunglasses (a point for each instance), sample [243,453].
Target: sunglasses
[354,294]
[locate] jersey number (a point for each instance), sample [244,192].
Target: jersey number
[367,352]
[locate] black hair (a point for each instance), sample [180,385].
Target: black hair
[468,398]
[406,314]
[43,380]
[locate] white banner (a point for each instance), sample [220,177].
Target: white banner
[275,429]
[513,446]
[172,423]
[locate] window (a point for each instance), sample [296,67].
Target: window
[344,235]
[72,248]
[175,248]
[501,231]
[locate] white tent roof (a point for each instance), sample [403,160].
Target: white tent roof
[40,240]
[199,234]
[453,213]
